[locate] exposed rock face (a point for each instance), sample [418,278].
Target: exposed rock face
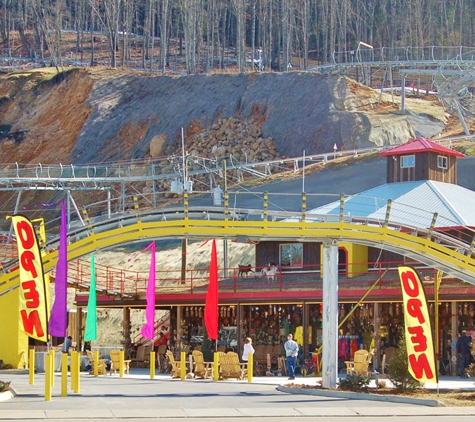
[157,144]
[91,116]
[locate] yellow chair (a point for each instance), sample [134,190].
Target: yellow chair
[360,363]
[175,370]
[230,367]
[101,364]
[201,369]
[237,368]
[115,362]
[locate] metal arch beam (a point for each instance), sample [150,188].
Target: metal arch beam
[451,259]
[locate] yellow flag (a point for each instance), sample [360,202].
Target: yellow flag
[33,294]
[419,344]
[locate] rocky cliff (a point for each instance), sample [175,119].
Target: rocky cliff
[96,115]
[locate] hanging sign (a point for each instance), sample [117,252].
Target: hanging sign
[419,344]
[33,295]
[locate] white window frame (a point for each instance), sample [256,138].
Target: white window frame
[408,161]
[442,162]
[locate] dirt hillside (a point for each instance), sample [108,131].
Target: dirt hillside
[97,115]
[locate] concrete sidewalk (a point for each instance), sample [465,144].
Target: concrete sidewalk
[137,397]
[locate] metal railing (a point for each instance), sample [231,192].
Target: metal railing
[428,54]
[356,276]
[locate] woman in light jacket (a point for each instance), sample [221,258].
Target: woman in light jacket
[248,349]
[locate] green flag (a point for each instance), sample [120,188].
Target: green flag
[91,318]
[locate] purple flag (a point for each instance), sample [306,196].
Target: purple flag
[58,322]
[148,330]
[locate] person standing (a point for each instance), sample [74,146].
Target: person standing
[67,344]
[291,351]
[464,353]
[247,349]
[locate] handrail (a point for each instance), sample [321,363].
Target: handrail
[307,277]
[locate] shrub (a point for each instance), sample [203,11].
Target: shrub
[398,370]
[354,383]
[4,386]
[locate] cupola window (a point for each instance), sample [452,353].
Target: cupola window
[408,161]
[442,162]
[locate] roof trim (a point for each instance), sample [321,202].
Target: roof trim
[421,145]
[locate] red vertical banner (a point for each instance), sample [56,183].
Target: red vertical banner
[419,344]
[211,308]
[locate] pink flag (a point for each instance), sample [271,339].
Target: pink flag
[148,330]
[211,308]
[58,322]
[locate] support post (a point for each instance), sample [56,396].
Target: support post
[454,331]
[31,366]
[183,366]
[330,314]
[250,367]
[64,374]
[216,366]
[48,376]
[152,364]
[51,352]
[74,374]
[403,91]
[96,363]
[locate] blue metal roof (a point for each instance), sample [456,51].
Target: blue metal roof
[413,203]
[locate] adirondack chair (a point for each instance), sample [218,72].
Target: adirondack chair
[115,362]
[360,363]
[175,369]
[101,364]
[229,366]
[201,369]
[236,366]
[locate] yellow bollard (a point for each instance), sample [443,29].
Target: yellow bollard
[49,367]
[152,365]
[183,365]
[31,366]
[78,372]
[73,372]
[64,374]
[121,364]
[250,367]
[51,352]
[96,363]
[215,366]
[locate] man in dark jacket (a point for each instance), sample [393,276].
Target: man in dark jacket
[464,353]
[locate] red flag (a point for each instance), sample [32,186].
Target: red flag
[211,308]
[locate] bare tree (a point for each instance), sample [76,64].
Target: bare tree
[240,13]
[163,23]
[48,17]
